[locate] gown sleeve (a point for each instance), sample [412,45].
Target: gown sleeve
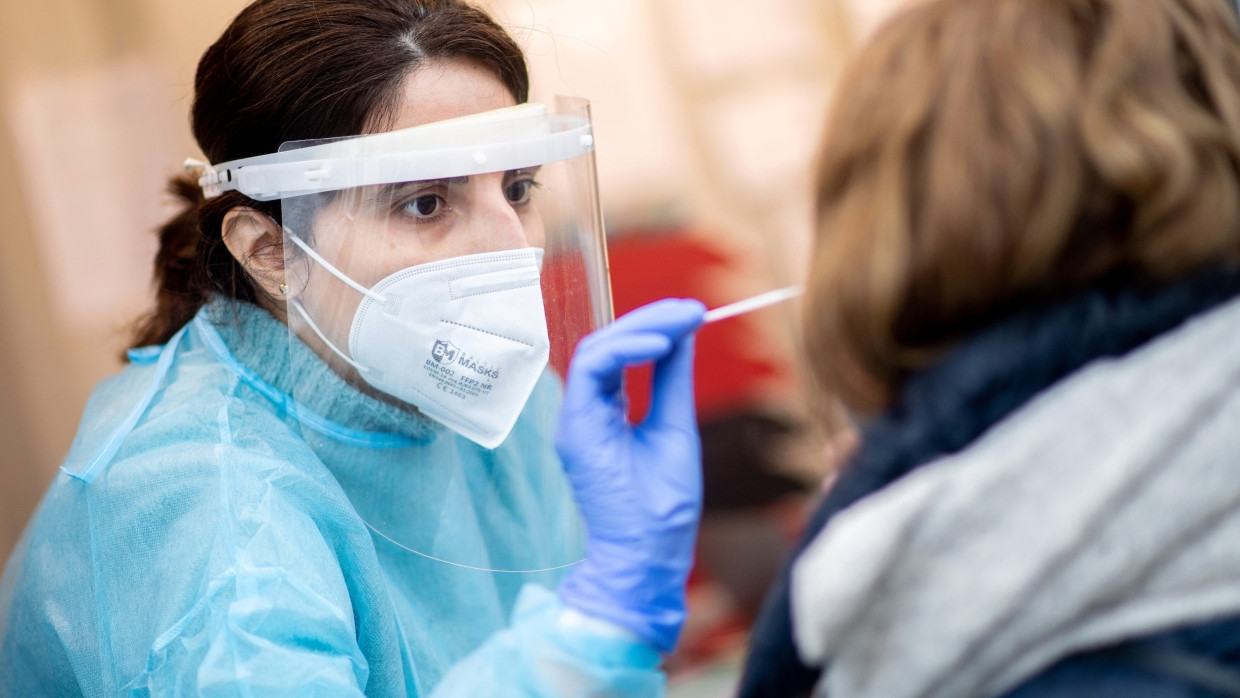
[549,651]
[275,619]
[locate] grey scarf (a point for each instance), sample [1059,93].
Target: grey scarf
[1107,508]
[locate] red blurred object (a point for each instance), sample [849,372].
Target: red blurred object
[738,376]
[564,283]
[731,372]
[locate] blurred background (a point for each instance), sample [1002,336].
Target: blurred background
[707,118]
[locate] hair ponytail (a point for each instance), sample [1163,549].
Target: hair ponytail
[193,263]
[179,291]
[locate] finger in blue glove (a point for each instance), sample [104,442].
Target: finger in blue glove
[639,486]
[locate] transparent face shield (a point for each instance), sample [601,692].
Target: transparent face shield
[437,279]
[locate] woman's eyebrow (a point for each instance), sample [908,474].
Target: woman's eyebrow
[390,190]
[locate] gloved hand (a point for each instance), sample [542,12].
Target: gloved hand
[639,487]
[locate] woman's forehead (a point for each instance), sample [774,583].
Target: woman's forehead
[448,89]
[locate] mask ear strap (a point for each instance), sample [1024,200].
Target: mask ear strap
[334,272]
[306,316]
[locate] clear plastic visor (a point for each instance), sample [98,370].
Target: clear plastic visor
[444,274]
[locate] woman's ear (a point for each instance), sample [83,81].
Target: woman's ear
[257,243]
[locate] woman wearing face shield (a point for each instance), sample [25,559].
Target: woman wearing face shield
[329,467]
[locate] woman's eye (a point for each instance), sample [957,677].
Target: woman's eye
[518,192]
[425,206]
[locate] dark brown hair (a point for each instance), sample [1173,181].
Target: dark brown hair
[288,70]
[989,155]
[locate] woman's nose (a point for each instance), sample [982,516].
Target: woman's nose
[497,225]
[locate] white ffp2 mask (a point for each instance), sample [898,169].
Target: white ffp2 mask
[463,339]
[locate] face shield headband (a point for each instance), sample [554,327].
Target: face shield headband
[503,139]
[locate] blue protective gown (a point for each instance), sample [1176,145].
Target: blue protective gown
[203,537]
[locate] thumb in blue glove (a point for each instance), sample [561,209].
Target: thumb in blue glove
[639,487]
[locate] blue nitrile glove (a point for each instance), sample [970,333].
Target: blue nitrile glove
[639,486]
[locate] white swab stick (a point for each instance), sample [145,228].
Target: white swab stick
[759,301]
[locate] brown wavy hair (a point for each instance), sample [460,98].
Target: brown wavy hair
[985,156]
[289,70]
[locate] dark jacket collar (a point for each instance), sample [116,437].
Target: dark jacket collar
[943,408]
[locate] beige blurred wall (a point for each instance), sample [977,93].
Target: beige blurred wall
[707,111]
[93,100]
